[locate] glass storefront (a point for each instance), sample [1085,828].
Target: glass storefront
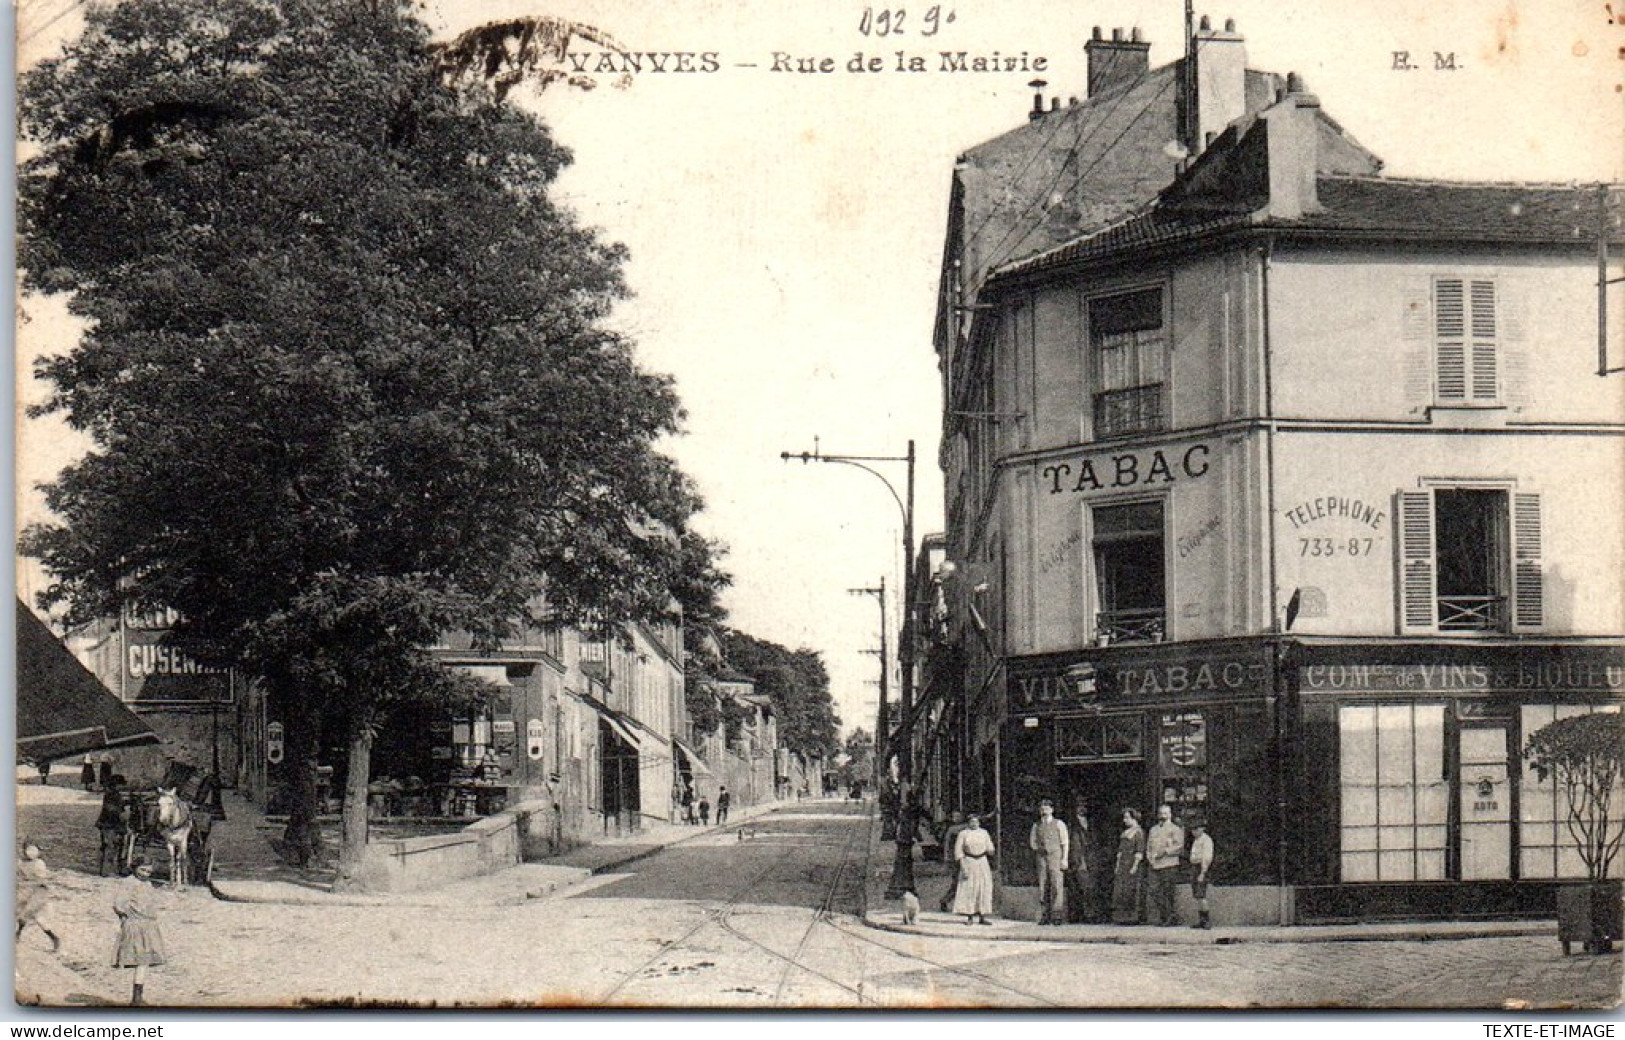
[1395,795]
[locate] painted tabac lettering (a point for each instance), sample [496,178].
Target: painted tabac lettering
[1128,469]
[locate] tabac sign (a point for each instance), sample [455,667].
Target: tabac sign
[1068,683]
[1128,468]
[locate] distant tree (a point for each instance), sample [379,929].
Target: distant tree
[798,685]
[346,370]
[1584,755]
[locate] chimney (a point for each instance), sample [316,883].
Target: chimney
[1293,128]
[1117,61]
[1220,80]
[1038,86]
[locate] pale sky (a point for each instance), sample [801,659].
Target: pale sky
[786,229]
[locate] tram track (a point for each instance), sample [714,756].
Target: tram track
[723,915]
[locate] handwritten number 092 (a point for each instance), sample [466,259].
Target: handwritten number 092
[893,21]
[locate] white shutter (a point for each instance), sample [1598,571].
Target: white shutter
[1413,511]
[1528,592]
[1484,349]
[1416,336]
[1450,340]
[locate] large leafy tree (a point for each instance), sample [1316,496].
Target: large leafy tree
[798,684]
[345,367]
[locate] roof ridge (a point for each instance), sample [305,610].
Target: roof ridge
[1444,182]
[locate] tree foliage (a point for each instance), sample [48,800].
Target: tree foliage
[798,684]
[346,368]
[1584,754]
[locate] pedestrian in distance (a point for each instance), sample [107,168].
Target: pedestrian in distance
[1201,861]
[1049,841]
[956,824]
[1126,872]
[87,774]
[723,800]
[705,813]
[1082,887]
[972,851]
[140,940]
[44,772]
[104,772]
[1163,849]
[34,894]
[688,806]
[112,825]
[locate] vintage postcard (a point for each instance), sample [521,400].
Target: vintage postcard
[1022,504]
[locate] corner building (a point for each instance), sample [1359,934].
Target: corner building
[1285,492]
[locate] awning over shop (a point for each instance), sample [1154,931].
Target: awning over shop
[696,764]
[62,709]
[621,729]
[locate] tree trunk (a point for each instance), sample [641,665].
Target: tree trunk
[302,839]
[353,846]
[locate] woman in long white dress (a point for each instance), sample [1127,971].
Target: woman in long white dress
[974,897]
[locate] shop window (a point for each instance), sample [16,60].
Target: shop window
[1099,738]
[1395,796]
[1466,346]
[1546,846]
[1130,345]
[1129,573]
[1470,560]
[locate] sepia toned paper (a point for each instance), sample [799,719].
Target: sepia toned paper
[781,175]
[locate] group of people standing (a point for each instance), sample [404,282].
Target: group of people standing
[700,812]
[1082,879]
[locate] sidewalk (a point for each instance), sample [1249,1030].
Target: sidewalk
[513,886]
[932,880]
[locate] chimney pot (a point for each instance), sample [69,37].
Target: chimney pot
[1135,36]
[1205,25]
[1117,35]
[1229,25]
[1071,102]
[1294,83]
[1096,36]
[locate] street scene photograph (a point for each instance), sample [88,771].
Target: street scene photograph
[1022,505]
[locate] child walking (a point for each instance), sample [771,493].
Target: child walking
[140,942]
[34,894]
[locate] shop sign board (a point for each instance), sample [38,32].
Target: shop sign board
[1066,685]
[273,743]
[1182,741]
[1584,676]
[156,673]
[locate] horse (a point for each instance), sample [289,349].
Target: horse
[175,823]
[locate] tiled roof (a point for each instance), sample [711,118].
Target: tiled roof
[1476,211]
[1372,206]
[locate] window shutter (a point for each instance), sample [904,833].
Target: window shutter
[1450,339]
[1417,589]
[1417,339]
[1484,350]
[1528,592]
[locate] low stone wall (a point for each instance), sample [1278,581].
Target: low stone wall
[483,847]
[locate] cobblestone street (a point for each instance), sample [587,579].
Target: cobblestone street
[756,916]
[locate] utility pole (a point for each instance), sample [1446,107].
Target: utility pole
[882,720]
[902,878]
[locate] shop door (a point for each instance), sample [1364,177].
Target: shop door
[1486,804]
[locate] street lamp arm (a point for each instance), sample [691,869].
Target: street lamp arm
[858,461]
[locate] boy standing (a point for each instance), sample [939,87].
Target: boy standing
[1201,860]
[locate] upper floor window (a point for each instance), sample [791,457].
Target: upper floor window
[1470,560]
[1129,573]
[1466,344]
[1130,345]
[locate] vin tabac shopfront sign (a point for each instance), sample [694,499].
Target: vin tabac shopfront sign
[1112,676]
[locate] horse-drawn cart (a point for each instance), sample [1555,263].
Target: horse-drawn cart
[177,817]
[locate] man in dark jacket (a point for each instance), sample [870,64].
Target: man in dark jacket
[111,823]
